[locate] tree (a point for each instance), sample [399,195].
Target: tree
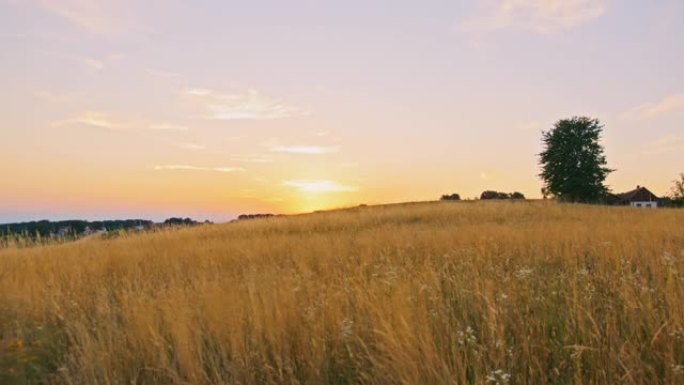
[517,195]
[452,197]
[573,164]
[490,194]
[678,188]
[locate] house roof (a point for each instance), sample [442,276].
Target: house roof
[639,194]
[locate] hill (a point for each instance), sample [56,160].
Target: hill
[431,293]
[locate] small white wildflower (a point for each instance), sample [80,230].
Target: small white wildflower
[524,272]
[498,377]
[466,337]
[346,330]
[677,334]
[668,259]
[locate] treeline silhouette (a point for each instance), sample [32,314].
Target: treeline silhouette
[486,195]
[489,194]
[46,228]
[253,216]
[76,228]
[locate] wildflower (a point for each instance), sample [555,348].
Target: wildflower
[668,259]
[498,377]
[524,272]
[466,338]
[677,334]
[346,330]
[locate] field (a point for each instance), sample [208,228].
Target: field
[429,293]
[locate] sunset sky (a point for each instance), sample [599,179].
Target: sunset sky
[209,109]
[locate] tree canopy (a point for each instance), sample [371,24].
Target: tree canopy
[573,163]
[451,197]
[490,194]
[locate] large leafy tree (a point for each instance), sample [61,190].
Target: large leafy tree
[573,163]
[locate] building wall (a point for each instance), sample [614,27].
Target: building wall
[648,205]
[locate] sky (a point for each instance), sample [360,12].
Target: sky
[210,109]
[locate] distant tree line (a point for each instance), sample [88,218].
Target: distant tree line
[450,197]
[490,194]
[47,228]
[77,228]
[253,216]
[173,221]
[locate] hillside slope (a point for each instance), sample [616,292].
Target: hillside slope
[443,293]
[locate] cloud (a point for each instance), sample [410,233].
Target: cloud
[166,127]
[652,110]
[106,18]
[541,16]
[56,97]
[163,74]
[319,186]
[248,105]
[94,65]
[252,159]
[191,146]
[666,144]
[183,167]
[91,119]
[101,120]
[307,150]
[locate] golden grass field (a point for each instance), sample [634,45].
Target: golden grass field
[427,293]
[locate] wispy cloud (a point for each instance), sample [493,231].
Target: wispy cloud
[541,16]
[107,18]
[56,97]
[163,74]
[303,149]
[94,65]
[319,186]
[666,144]
[166,127]
[248,105]
[191,146]
[257,158]
[652,110]
[184,167]
[97,119]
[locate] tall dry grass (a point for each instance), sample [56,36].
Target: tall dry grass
[434,293]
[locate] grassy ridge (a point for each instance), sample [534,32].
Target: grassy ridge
[444,293]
